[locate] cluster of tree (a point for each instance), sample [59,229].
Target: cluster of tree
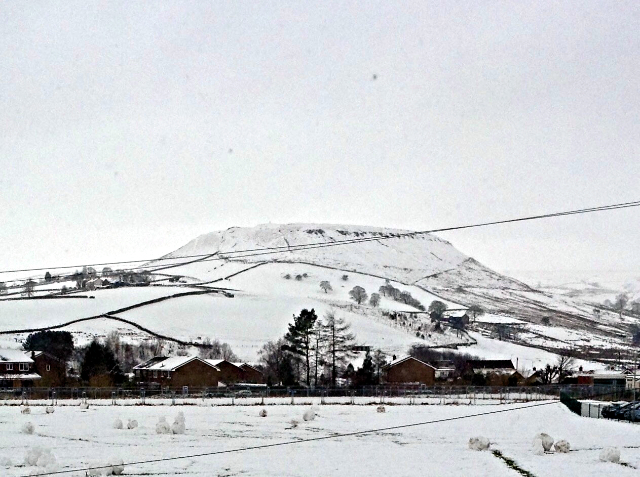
[622,303]
[635,334]
[214,349]
[298,276]
[389,291]
[56,343]
[313,351]
[561,369]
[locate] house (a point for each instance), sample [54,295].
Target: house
[408,370]
[250,374]
[229,372]
[497,372]
[51,369]
[444,369]
[17,369]
[176,372]
[618,380]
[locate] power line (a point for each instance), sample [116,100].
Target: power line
[293,248]
[310,439]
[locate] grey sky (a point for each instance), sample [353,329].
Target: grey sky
[128,128]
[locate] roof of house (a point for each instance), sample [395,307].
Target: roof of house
[216,362]
[490,364]
[403,359]
[165,363]
[247,365]
[14,356]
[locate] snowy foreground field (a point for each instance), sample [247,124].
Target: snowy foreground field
[79,438]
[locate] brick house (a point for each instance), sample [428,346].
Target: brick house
[17,369]
[176,372]
[51,369]
[498,372]
[250,374]
[230,373]
[408,370]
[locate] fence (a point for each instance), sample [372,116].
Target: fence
[266,395]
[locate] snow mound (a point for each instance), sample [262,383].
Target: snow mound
[26,410]
[84,405]
[178,426]
[610,454]
[381,409]
[547,441]
[117,424]
[49,409]
[163,427]
[40,457]
[562,446]
[293,423]
[536,447]
[132,424]
[6,462]
[263,413]
[309,415]
[479,443]
[28,428]
[117,466]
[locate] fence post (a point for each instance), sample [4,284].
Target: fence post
[142,395]
[113,397]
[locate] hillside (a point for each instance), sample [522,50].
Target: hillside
[252,280]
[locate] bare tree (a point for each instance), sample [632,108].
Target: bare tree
[28,288]
[339,342]
[620,303]
[476,310]
[374,300]
[326,286]
[438,307]
[358,294]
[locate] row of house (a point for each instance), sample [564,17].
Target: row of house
[410,370]
[179,371]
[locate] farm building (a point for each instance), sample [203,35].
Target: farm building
[176,372]
[408,370]
[497,372]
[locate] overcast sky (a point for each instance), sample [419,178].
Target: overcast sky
[129,128]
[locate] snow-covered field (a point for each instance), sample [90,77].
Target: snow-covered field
[81,438]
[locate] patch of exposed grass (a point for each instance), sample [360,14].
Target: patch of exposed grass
[512,464]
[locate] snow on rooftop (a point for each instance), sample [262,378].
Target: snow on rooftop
[15,356]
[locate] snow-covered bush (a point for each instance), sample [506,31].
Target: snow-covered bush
[117,424]
[26,410]
[536,447]
[28,428]
[49,409]
[163,427]
[132,424]
[263,413]
[293,423]
[479,443]
[562,446]
[381,409]
[309,415]
[547,441]
[610,454]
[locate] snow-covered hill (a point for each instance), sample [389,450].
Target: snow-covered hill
[272,271]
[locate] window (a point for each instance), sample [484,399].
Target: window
[48,367]
[9,366]
[155,373]
[24,366]
[137,373]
